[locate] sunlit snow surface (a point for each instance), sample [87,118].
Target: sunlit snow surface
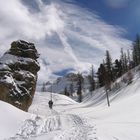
[69,120]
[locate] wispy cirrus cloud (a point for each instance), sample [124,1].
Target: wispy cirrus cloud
[117,3]
[67,36]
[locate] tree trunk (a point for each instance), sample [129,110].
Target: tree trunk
[107,98]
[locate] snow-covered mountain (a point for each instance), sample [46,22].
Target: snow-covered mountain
[67,83]
[92,119]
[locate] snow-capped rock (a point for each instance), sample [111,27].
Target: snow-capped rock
[18,74]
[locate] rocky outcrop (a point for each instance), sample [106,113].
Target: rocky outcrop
[18,74]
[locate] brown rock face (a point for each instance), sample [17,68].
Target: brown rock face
[18,74]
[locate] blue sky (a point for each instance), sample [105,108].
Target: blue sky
[125,14]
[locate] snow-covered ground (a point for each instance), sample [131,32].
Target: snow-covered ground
[10,119]
[69,120]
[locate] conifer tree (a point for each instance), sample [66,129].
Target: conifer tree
[117,69]
[137,42]
[91,80]
[104,80]
[101,75]
[43,89]
[79,85]
[71,88]
[135,58]
[122,59]
[66,92]
[109,72]
[136,51]
[125,63]
[129,59]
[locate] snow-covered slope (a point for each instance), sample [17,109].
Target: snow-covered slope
[120,121]
[90,120]
[40,103]
[10,119]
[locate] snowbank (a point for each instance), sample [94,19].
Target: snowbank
[10,119]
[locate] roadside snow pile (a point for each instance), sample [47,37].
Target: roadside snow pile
[10,119]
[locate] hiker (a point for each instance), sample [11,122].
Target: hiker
[50,104]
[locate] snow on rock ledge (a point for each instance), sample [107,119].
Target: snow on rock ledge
[18,74]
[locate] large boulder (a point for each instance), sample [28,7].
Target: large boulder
[18,74]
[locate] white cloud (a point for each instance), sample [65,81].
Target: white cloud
[66,35]
[117,3]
